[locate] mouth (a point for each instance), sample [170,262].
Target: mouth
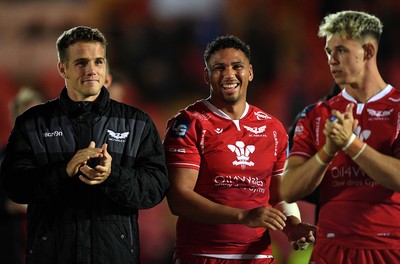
[335,73]
[230,87]
[90,81]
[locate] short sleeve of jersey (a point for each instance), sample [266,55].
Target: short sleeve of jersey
[283,148]
[309,125]
[181,142]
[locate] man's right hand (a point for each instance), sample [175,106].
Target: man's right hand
[264,216]
[81,158]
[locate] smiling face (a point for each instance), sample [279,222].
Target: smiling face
[228,73]
[84,71]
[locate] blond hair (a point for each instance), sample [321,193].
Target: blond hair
[352,25]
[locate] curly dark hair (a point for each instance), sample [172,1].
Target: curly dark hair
[225,42]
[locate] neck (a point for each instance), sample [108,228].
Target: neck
[362,95]
[234,111]
[369,86]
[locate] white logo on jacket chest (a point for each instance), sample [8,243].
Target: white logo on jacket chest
[53,134]
[242,154]
[116,136]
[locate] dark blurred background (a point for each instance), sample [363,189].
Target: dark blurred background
[156,56]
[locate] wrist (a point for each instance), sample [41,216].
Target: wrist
[324,157]
[349,142]
[289,209]
[330,154]
[355,149]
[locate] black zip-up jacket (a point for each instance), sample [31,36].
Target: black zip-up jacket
[69,221]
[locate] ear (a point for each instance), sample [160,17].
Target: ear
[251,73]
[108,80]
[61,70]
[206,76]
[369,50]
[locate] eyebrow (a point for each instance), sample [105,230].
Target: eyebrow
[86,59]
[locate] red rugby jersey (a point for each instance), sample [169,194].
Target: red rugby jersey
[236,160]
[355,210]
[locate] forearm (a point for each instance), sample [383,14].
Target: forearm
[192,206]
[383,169]
[301,177]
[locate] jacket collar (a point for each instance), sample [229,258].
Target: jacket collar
[74,109]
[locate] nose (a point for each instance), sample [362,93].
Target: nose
[332,59]
[91,68]
[229,72]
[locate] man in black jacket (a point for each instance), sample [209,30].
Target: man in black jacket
[84,164]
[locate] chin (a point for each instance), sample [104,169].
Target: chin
[231,100]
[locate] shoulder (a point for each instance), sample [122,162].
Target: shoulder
[191,119]
[196,111]
[320,108]
[311,108]
[122,110]
[394,97]
[267,121]
[301,115]
[260,115]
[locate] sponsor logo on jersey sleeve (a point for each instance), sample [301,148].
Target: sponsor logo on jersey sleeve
[179,128]
[177,150]
[299,129]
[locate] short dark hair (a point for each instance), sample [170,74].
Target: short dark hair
[78,34]
[225,42]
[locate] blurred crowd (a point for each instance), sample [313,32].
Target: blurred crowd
[156,60]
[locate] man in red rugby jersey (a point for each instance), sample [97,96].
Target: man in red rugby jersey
[349,147]
[225,159]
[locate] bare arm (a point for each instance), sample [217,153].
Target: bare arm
[301,177]
[185,202]
[384,169]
